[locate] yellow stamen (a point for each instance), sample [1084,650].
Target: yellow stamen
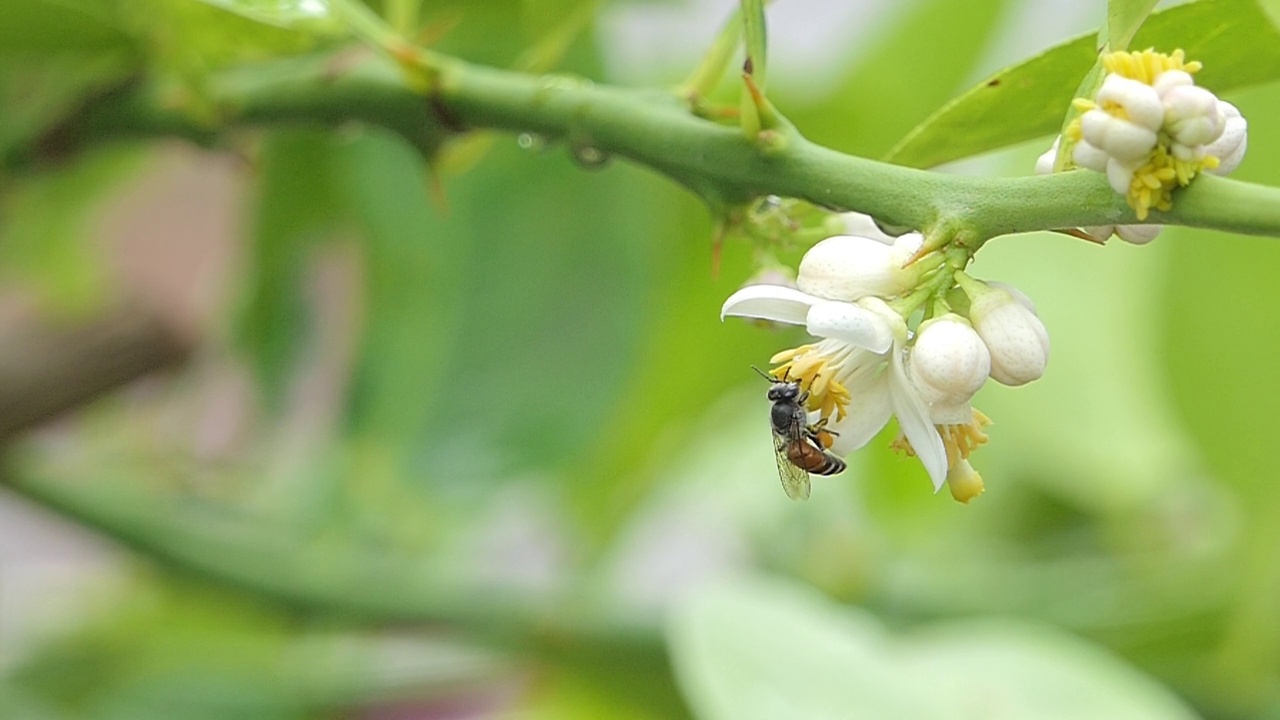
[1147,65]
[962,439]
[959,440]
[1153,183]
[827,395]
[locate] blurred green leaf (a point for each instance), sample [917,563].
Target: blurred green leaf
[1220,350]
[313,16]
[1272,9]
[38,28]
[1236,42]
[1124,17]
[768,650]
[297,207]
[46,241]
[187,39]
[866,111]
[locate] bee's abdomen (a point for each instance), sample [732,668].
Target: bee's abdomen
[831,465]
[807,456]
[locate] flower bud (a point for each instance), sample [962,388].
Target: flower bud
[1044,163]
[948,364]
[1119,138]
[856,223]
[1098,233]
[1139,101]
[848,267]
[1171,79]
[1120,175]
[1191,115]
[1089,157]
[964,482]
[1230,146]
[1015,337]
[1138,234]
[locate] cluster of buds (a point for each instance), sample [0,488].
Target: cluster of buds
[1150,130]
[904,333]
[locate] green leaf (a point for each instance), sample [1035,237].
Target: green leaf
[868,109]
[314,16]
[1220,348]
[1238,45]
[769,650]
[45,27]
[1124,17]
[1272,9]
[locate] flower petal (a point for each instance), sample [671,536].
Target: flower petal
[913,418]
[851,324]
[769,302]
[869,411]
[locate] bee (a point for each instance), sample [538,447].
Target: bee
[799,447]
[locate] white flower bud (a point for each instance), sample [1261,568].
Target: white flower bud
[1015,337]
[1230,146]
[1138,234]
[1088,156]
[1140,101]
[848,267]
[1099,233]
[1121,139]
[1120,175]
[1192,116]
[948,364]
[1188,153]
[1044,163]
[856,223]
[1171,79]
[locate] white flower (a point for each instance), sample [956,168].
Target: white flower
[1008,325]
[859,358]
[848,267]
[1230,146]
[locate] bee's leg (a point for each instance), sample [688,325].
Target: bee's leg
[821,426]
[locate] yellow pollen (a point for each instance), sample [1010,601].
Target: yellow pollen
[827,395]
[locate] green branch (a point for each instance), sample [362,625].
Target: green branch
[653,128]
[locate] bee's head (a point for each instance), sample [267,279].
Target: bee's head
[784,390]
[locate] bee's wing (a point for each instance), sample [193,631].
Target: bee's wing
[795,480]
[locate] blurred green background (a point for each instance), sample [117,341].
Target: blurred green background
[487,451]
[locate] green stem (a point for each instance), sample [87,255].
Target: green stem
[651,128]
